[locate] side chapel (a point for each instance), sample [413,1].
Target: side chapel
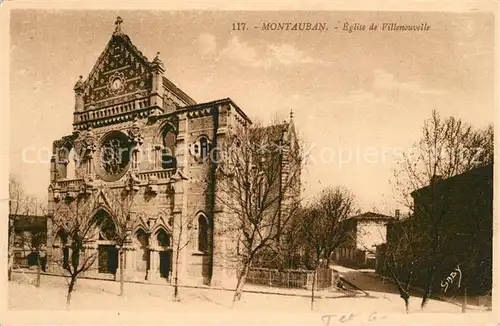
[135,131]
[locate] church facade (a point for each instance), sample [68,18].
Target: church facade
[137,135]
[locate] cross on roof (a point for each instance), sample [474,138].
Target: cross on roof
[118,23]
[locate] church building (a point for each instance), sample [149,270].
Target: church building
[137,136]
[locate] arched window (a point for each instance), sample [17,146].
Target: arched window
[202,233]
[107,228]
[204,147]
[200,149]
[162,238]
[167,154]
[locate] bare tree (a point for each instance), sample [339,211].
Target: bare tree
[257,183]
[401,256]
[75,220]
[119,205]
[180,240]
[35,239]
[17,207]
[324,226]
[447,148]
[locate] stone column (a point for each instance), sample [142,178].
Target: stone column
[128,252]
[153,272]
[179,202]
[79,103]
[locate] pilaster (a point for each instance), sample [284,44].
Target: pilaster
[153,272]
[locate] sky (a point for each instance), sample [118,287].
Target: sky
[351,93]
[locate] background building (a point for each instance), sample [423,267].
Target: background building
[365,232]
[30,236]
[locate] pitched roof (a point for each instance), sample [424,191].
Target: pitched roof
[177,91]
[372,216]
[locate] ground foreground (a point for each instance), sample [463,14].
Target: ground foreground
[101,297]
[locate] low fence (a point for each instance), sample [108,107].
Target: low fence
[293,278]
[24,258]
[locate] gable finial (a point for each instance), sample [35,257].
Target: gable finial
[118,23]
[291,114]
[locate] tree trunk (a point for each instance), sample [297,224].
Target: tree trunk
[313,288]
[176,278]
[428,291]
[122,278]
[70,290]
[241,282]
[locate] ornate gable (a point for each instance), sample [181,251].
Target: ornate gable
[120,73]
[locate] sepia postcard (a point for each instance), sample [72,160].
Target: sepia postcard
[249,163]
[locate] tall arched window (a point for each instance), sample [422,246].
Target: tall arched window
[107,228]
[167,153]
[202,233]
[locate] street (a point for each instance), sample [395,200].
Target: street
[381,287]
[103,295]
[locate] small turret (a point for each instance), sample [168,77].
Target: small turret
[157,82]
[118,26]
[79,89]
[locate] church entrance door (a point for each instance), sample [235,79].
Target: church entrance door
[108,259]
[165,258]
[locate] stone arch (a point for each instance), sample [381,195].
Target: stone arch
[60,237]
[201,147]
[105,235]
[165,126]
[162,237]
[67,160]
[168,137]
[140,224]
[163,241]
[105,223]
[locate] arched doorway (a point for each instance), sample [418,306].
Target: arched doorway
[107,255]
[163,240]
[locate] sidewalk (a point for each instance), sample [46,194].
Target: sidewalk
[361,279]
[249,288]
